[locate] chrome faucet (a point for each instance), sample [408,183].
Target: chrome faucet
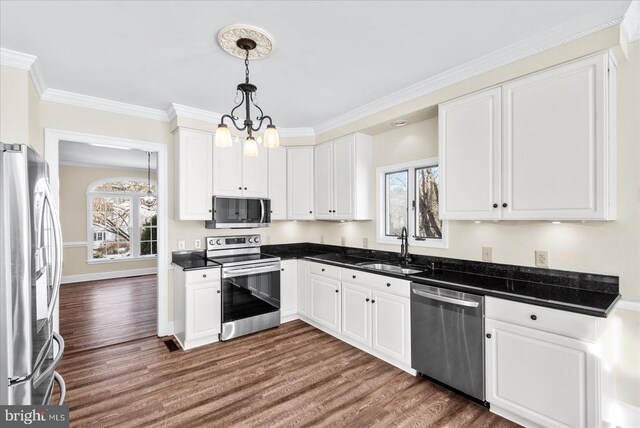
[405,258]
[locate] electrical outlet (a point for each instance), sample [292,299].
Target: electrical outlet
[343,241]
[487,254]
[322,239]
[198,243]
[365,242]
[182,244]
[542,258]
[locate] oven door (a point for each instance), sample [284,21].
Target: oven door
[250,299]
[240,213]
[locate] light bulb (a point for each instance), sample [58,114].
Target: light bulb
[271,137]
[250,148]
[223,136]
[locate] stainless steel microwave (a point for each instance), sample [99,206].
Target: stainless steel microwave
[239,213]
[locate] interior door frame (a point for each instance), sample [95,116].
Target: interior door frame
[52,139]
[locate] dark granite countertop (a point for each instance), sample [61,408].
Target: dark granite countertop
[192,260]
[585,293]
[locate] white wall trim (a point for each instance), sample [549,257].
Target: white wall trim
[107,275]
[631,22]
[16,59]
[52,138]
[37,77]
[554,37]
[629,305]
[179,110]
[80,100]
[75,244]
[101,166]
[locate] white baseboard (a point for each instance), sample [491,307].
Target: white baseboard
[108,275]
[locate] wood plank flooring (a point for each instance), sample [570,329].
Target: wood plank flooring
[101,313]
[292,376]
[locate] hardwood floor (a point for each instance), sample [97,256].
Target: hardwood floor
[291,376]
[101,313]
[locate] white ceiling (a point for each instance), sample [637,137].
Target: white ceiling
[81,154]
[329,58]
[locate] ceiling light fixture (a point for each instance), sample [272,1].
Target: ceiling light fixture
[246,42]
[149,199]
[399,122]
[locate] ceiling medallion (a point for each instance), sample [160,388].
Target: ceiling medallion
[246,42]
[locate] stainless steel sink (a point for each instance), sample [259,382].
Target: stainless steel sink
[385,267]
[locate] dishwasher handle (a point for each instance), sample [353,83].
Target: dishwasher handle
[459,302]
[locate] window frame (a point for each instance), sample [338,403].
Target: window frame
[381,204]
[134,215]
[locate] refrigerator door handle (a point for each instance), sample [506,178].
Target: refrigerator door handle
[55,221]
[63,387]
[56,360]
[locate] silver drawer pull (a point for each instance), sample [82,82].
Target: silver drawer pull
[446,299]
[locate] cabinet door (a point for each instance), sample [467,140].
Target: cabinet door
[300,183]
[546,378]
[391,326]
[323,173]
[344,197]
[227,170]
[202,310]
[288,288]
[469,143]
[325,301]
[554,143]
[356,313]
[278,183]
[255,176]
[193,178]
[303,287]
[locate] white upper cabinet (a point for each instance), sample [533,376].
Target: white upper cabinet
[343,178]
[255,175]
[237,175]
[278,183]
[300,183]
[469,146]
[227,170]
[192,174]
[541,147]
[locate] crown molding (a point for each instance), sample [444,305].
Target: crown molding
[631,22]
[554,37]
[180,110]
[80,100]
[16,59]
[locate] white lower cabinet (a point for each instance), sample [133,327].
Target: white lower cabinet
[391,326]
[197,306]
[325,301]
[536,374]
[288,290]
[356,313]
[303,287]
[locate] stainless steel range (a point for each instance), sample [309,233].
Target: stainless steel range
[250,285]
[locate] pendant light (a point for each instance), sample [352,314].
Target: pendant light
[149,199]
[246,41]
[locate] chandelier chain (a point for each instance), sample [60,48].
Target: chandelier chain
[246,66]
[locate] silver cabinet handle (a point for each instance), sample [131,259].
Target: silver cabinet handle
[446,299]
[63,387]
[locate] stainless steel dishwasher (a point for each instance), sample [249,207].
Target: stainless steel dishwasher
[447,337]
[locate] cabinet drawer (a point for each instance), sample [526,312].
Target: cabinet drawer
[328,271]
[389,284]
[202,275]
[568,324]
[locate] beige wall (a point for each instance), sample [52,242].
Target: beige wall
[74,181]
[595,246]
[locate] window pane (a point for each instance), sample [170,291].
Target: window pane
[111,227]
[396,195]
[148,225]
[428,223]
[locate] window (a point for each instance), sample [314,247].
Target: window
[122,222]
[408,196]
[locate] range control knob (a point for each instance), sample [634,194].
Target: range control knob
[211,242]
[218,241]
[250,240]
[256,239]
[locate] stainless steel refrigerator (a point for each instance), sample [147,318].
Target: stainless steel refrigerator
[30,275]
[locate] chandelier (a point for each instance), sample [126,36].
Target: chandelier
[246,96]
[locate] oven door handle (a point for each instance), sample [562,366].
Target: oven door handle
[446,299]
[231,273]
